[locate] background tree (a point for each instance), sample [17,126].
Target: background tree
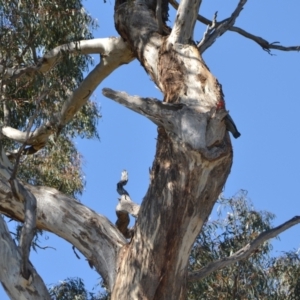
[261,276]
[212,148]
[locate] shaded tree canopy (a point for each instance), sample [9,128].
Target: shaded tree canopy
[29,30]
[172,249]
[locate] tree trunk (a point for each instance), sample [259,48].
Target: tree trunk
[183,190]
[192,162]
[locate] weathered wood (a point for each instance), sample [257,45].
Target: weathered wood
[193,157]
[125,207]
[91,233]
[183,190]
[15,285]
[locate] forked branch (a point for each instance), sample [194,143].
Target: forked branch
[244,252]
[196,132]
[217,29]
[267,46]
[114,52]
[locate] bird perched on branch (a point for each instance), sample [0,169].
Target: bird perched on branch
[230,126]
[120,185]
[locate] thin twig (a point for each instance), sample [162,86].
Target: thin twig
[259,40]
[74,250]
[28,129]
[221,27]
[43,248]
[210,28]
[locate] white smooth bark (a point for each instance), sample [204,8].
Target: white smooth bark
[91,233]
[218,29]
[183,29]
[37,138]
[51,58]
[178,119]
[114,53]
[17,287]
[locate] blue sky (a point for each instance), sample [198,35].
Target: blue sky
[262,94]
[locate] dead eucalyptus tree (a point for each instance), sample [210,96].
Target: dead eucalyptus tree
[192,161]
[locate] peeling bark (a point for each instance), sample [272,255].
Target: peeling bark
[92,234]
[183,189]
[15,285]
[193,157]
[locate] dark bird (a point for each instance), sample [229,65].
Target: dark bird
[230,126]
[120,185]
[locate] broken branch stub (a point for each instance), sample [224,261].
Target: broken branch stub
[125,207]
[203,131]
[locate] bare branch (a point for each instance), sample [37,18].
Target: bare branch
[6,114]
[43,247]
[260,41]
[218,29]
[244,252]
[172,116]
[15,285]
[51,58]
[37,138]
[186,17]
[92,234]
[30,124]
[263,43]
[148,107]
[6,110]
[74,250]
[158,13]
[29,207]
[28,229]
[208,31]
[114,54]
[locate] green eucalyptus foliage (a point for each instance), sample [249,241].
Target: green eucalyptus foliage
[74,289]
[258,277]
[28,29]
[57,165]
